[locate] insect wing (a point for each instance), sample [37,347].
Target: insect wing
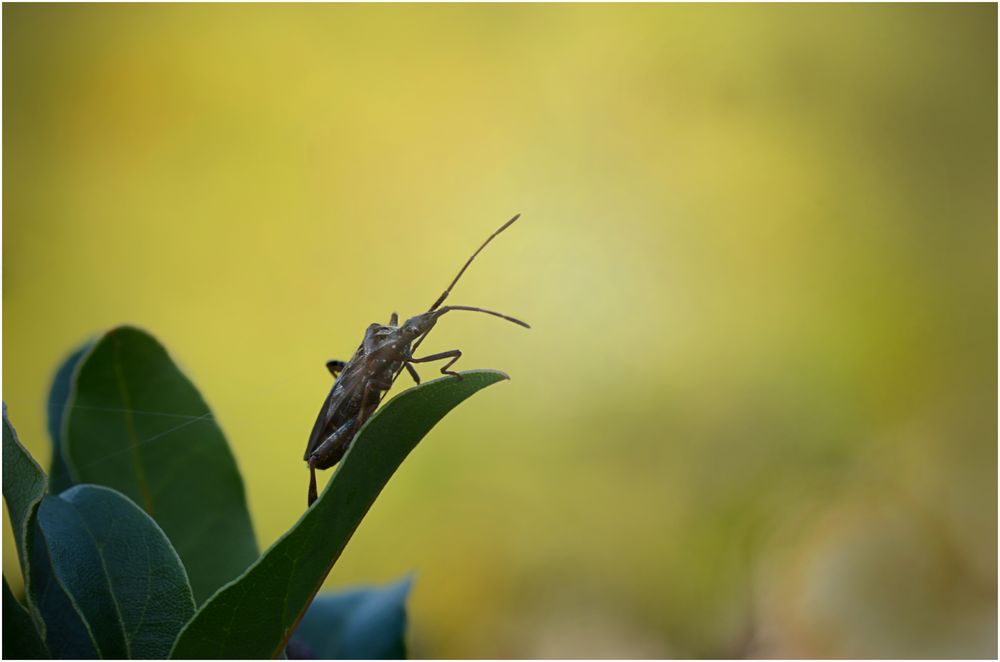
[341,403]
[322,424]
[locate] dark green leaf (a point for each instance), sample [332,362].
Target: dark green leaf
[59,478]
[20,638]
[24,485]
[363,624]
[118,571]
[62,627]
[254,616]
[138,425]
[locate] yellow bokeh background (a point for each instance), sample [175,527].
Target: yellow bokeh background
[757,410]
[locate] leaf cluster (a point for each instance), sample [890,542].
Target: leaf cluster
[138,542]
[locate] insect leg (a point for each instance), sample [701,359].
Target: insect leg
[394,319]
[312,484]
[329,453]
[413,373]
[335,446]
[453,354]
[335,366]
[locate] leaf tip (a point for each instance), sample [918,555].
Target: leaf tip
[126,328]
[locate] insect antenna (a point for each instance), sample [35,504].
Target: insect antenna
[483,310]
[444,295]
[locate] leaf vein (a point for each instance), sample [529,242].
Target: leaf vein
[134,442]
[107,575]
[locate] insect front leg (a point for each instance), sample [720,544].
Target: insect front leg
[335,366]
[453,354]
[400,356]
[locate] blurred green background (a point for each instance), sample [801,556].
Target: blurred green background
[757,410]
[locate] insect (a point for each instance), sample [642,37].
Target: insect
[385,351]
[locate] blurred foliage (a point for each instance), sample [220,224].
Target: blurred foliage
[756,413]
